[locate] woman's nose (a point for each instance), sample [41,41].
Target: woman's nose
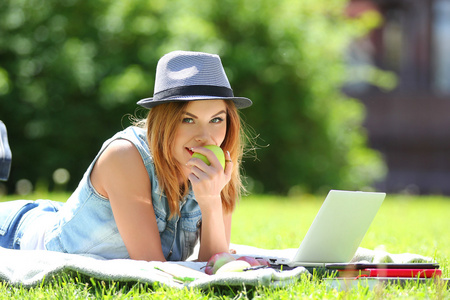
[203,136]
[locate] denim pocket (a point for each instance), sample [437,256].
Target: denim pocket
[9,212]
[161,219]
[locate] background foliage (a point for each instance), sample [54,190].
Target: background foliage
[71,70]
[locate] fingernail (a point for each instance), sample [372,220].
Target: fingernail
[228,152]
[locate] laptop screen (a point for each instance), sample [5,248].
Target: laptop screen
[339,227]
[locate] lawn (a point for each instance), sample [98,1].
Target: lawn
[404,224]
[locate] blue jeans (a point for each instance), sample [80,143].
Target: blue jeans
[14,216]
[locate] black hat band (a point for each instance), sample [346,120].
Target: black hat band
[194,90]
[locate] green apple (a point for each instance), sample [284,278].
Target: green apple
[233,266]
[217,151]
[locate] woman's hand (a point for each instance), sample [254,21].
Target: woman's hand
[208,181]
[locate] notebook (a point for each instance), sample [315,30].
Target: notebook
[337,230]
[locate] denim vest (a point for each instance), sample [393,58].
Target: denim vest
[85,224]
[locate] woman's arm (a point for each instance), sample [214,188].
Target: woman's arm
[207,183]
[120,175]
[214,236]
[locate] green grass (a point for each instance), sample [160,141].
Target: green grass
[404,224]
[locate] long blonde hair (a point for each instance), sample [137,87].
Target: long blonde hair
[161,124]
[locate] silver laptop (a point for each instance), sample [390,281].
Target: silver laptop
[337,230]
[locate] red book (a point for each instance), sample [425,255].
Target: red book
[419,273]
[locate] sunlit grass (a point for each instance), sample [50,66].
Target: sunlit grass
[403,224]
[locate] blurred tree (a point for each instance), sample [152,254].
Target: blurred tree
[71,70]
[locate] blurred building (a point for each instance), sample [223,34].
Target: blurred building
[410,124]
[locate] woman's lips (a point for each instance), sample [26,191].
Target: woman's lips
[190,151]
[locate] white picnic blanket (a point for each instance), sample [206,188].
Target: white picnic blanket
[31,268]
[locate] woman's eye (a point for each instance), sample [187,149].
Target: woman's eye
[216,120]
[188,120]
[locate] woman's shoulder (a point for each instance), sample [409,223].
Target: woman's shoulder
[120,152]
[125,149]
[120,162]
[137,136]
[121,149]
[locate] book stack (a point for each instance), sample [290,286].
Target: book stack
[345,276]
[387,270]
[376,272]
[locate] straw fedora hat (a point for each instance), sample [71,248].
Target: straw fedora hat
[189,76]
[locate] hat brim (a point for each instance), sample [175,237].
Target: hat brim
[240,102]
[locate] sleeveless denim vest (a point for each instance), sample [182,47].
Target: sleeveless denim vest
[85,223]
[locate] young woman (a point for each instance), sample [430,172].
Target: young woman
[144,196]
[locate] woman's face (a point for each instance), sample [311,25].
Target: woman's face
[203,123]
